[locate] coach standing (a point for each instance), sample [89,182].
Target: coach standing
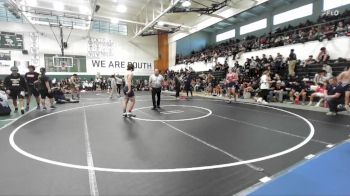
[155,82]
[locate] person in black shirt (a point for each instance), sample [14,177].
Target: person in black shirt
[292,61]
[16,86]
[177,85]
[335,97]
[297,89]
[188,82]
[277,92]
[32,78]
[45,88]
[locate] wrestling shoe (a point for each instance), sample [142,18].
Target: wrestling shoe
[130,115]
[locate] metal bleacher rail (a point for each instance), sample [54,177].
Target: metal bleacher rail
[312,69]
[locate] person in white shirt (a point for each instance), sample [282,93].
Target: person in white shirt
[155,82]
[265,82]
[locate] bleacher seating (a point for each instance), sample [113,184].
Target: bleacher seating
[312,69]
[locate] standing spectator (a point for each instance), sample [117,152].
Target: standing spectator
[188,82]
[177,85]
[292,61]
[119,83]
[265,82]
[113,82]
[279,63]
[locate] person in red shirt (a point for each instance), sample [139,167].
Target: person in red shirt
[320,93]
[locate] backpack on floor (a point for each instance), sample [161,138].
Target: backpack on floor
[4,104]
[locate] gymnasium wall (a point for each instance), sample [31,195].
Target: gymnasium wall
[337,47]
[185,45]
[109,55]
[193,42]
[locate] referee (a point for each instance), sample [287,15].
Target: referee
[156,82]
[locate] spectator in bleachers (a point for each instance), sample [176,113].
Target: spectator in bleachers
[278,62]
[309,61]
[341,29]
[277,92]
[292,61]
[323,56]
[320,92]
[321,77]
[328,69]
[297,89]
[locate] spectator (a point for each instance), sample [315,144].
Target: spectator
[265,82]
[323,56]
[177,86]
[321,77]
[309,61]
[335,97]
[279,62]
[277,92]
[341,29]
[297,89]
[292,61]
[319,93]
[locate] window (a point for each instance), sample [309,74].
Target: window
[330,4]
[293,14]
[226,35]
[253,26]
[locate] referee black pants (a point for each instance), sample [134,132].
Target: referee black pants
[156,91]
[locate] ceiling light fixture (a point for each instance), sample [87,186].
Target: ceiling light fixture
[115,20]
[121,8]
[160,23]
[186,3]
[58,6]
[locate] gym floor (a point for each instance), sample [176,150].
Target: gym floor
[189,147]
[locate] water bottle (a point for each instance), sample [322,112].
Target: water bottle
[297,100]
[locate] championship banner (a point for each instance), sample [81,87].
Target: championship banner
[117,66]
[108,58]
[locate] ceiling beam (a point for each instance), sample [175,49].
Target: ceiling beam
[142,9]
[94,3]
[120,19]
[150,24]
[25,17]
